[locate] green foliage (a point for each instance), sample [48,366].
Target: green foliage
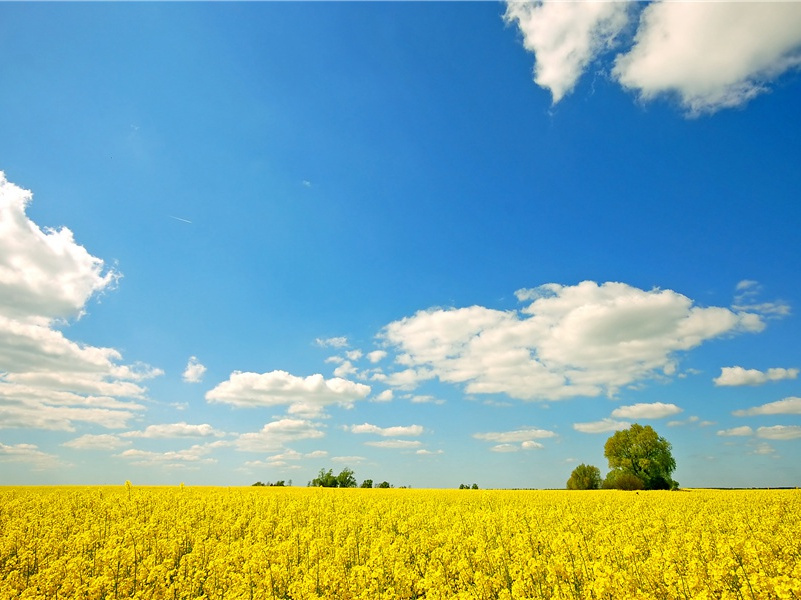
[467,486]
[367,483]
[641,452]
[584,477]
[618,479]
[279,483]
[345,479]
[384,485]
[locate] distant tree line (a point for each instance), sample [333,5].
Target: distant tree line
[345,479]
[464,486]
[639,459]
[279,483]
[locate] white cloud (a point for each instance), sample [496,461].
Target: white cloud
[740,376]
[764,449]
[712,55]
[276,434]
[425,452]
[425,399]
[565,37]
[347,459]
[332,342]
[175,430]
[103,441]
[581,340]
[345,369]
[194,371]
[403,444]
[193,456]
[306,396]
[376,356]
[400,430]
[779,432]
[518,435]
[653,410]
[354,354]
[30,455]
[385,396]
[602,426]
[47,380]
[788,406]
[736,431]
[44,275]
[747,298]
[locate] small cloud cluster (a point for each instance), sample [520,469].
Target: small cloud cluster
[708,55]
[194,371]
[516,440]
[736,376]
[775,432]
[307,396]
[643,410]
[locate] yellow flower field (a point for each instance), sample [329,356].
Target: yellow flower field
[267,542]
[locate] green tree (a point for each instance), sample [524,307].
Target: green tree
[384,485]
[584,477]
[641,452]
[346,478]
[618,479]
[367,483]
[325,479]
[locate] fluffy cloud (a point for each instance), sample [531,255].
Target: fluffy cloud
[709,55]
[189,457]
[602,426]
[376,356]
[306,396]
[47,380]
[712,55]
[402,444]
[275,435]
[408,430]
[788,406]
[780,432]
[565,37]
[581,340]
[29,455]
[518,435]
[333,342]
[736,431]
[194,371]
[175,430]
[741,376]
[653,410]
[103,441]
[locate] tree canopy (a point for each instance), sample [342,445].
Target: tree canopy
[584,477]
[639,452]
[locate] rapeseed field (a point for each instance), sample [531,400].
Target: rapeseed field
[272,542]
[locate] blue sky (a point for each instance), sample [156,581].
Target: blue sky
[437,243]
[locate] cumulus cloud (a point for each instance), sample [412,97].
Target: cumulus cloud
[525,434]
[194,371]
[385,396]
[788,406]
[47,380]
[732,376]
[376,356]
[602,426]
[653,410]
[175,430]
[103,441]
[189,457]
[29,455]
[566,341]
[736,431]
[779,432]
[565,37]
[400,430]
[277,434]
[402,444]
[711,55]
[306,396]
[332,342]
[708,55]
